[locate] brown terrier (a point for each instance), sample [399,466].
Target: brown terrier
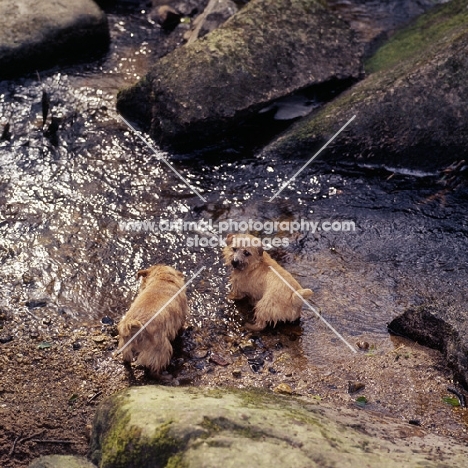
[162,316]
[252,277]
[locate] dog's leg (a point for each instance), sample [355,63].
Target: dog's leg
[235,294]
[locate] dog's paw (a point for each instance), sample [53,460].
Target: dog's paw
[235,297]
[257,326]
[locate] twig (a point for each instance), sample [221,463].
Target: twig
[52,441]
[37,434]
[93,397]
[12,450]
[194,36]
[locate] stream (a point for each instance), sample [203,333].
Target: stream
[71,187]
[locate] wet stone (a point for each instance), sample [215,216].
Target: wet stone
[247,346]
[99,338]
[219,360]
[5,338]
[107,320]
[363,345]
[256,364]
[354,387]
[200,354]
[36,303]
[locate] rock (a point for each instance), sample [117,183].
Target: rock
[219,360]
[354,386]
[410,110]
[283,388]
[201,92]
[61,461]
[166,16]
[195,427]
[442,327]
[4,338]
[36,35]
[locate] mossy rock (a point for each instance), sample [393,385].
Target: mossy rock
[172,427]
[410,110]
[202,91]
[37,35]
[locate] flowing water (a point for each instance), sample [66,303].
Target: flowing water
[69,186]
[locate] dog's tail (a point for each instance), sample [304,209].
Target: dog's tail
[304,293]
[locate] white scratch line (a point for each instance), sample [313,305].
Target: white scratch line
[313,310]
[147,143]
[311,159]
[159,311]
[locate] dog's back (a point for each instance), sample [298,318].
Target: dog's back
[154,318]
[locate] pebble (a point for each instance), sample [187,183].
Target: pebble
[354,387]
[200,354]
[107,320]
[237,374]
[283,388]
[364,345]
[46,321]
[247,346]
[220,360]
[98,338]
[36,303]
[5,338]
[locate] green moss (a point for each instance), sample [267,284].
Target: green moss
[442,24]
[124,446]
[217,425]
[176,461]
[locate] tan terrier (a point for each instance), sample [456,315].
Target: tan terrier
[152,346]
[252,277]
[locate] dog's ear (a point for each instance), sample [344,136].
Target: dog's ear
[142,274]
[229,239]
[260,250]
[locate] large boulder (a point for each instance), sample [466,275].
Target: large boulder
[192,427]
[61,461]
[269,49]
[411,109]
[440,326]
[36,35]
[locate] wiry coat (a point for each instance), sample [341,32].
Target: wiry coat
[152,347]
[252,277]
